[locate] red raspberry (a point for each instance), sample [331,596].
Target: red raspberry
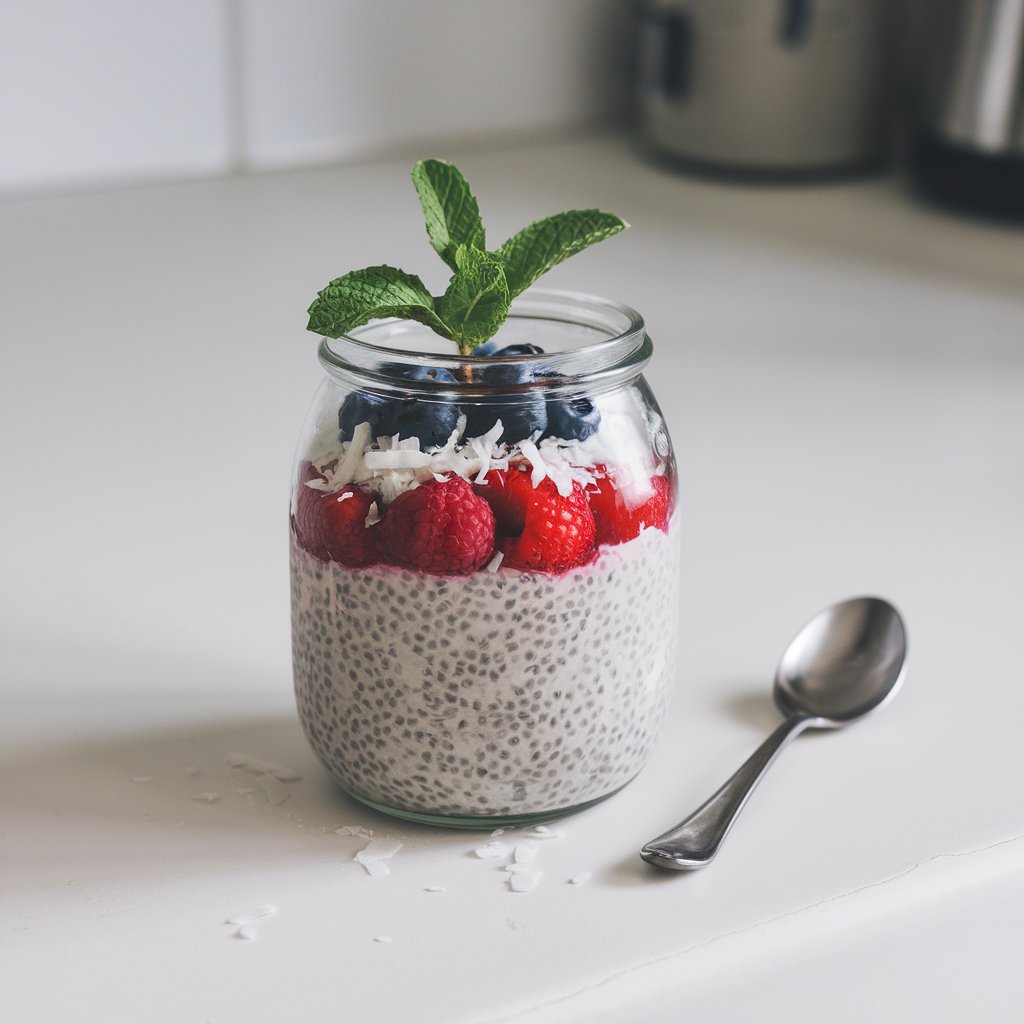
[544,531]
[440,527]
[615,521]
[333,526]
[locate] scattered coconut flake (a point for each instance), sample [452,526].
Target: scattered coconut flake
[277,792]
[248,916]
[345,495]
[524,853]
[382,938]
[141,778]
[543,832]
[373,855]
[379,849]
[497,832]
[246,933]
[524,881]
[206,798]
[255,764]
[517,869]
[372,515]
[354,830]
[492,566]
[434,888]
[192,769]
[490,851]
[580,878]
[375,868]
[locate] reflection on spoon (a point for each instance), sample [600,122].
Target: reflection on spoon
[847,661]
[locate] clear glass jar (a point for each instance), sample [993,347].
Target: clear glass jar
[484,613]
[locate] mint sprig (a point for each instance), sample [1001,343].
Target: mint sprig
[483,283]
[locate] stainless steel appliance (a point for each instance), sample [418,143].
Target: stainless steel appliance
[764,85]
[970,114]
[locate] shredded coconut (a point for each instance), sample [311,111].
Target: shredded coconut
[248,916]
[254,764]
[354,830]
[524,853]
[492,850]
[525,881]
[276,791]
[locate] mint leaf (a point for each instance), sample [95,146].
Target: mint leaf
[476,302]
[450,209]
[545,243]
[369,294]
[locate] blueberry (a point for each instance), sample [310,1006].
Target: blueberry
[572,419]
[525,349]
[431,422]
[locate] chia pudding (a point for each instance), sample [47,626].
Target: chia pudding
[495,694]
[485,631]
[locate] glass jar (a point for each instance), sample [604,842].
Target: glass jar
[485,565]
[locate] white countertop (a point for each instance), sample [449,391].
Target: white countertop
[842,370]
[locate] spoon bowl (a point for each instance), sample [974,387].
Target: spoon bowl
[848,661]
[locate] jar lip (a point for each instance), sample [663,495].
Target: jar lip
[622,350]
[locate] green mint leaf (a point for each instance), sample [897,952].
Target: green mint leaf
[370,294]
[450,209]
[476,302]
[545,243]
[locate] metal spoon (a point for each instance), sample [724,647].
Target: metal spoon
[847,661]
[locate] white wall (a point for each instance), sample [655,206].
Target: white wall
[99,92]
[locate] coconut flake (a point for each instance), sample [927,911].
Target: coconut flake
[372,515]
[434,888]
[498,831]
[524,853]
[206,798]
[276,791]
[254,764]
[379,849]
[383,939]
[373,855]
[245,933]
[248,916]
[354,830]
[348,467]
[543,832]
[491,851]
[396,459]
[525,881]
[580,878]
[492,566]
[529,449]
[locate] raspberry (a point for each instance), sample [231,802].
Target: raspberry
[333,526]
[543,530]
[440,527]
[615,522]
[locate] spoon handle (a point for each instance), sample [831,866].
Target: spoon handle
[695,841]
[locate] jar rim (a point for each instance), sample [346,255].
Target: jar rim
[620,353]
